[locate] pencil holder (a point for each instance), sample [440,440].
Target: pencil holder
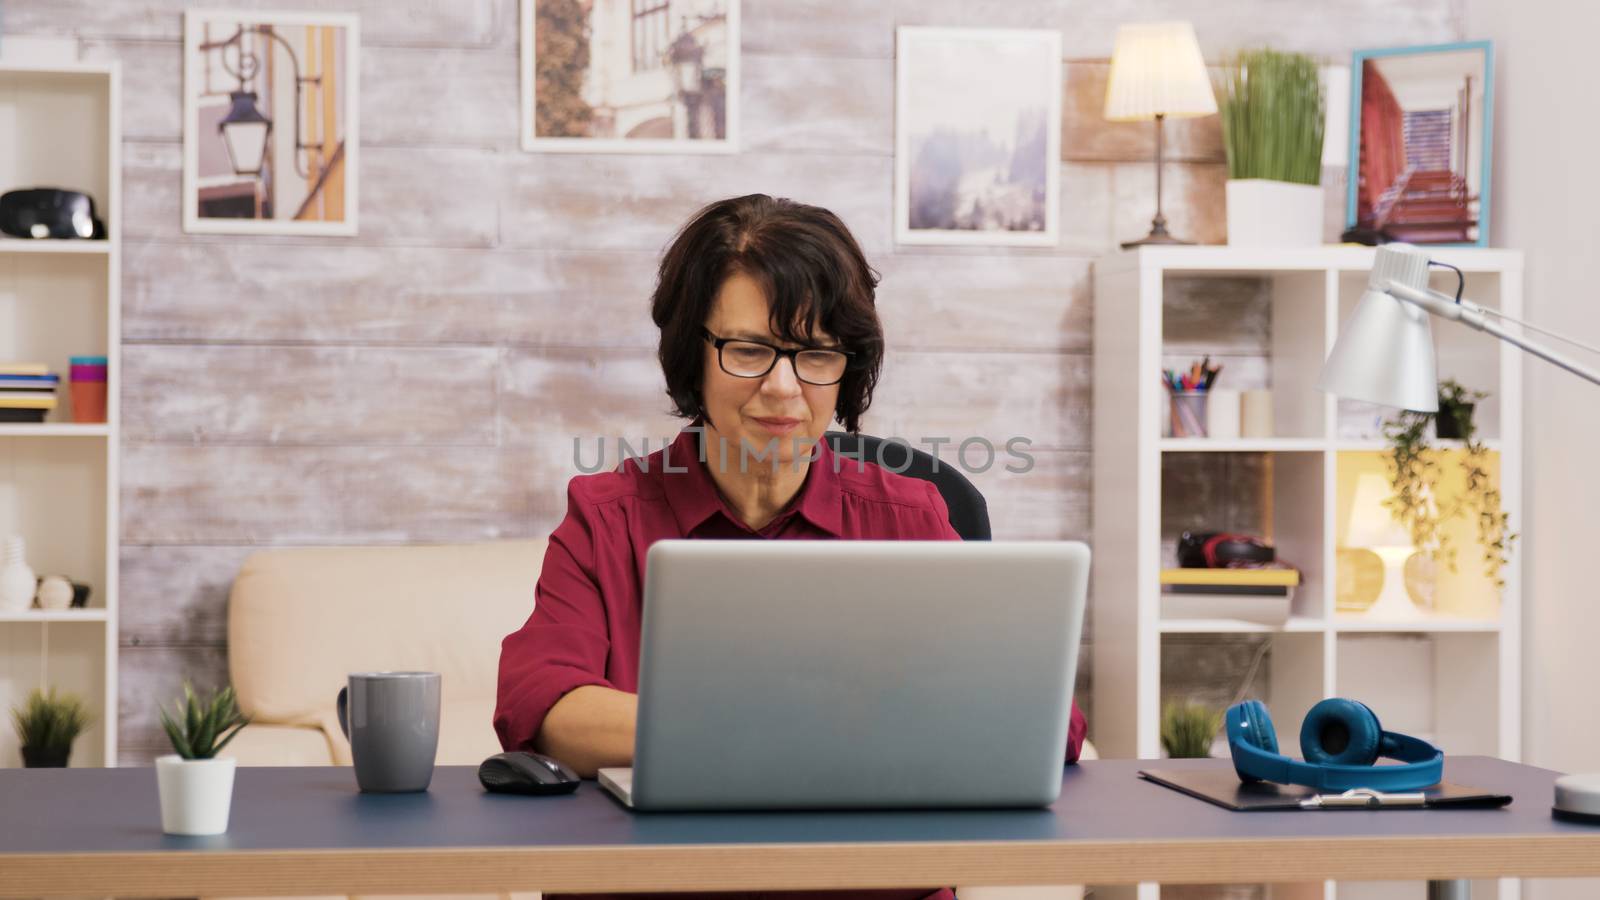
[1188,418]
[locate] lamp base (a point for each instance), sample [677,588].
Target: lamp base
[1156,237]
[1394,602]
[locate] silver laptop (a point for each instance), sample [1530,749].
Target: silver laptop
[854,674]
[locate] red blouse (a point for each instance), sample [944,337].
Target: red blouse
[589,600]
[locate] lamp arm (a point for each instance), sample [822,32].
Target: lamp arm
[1476,317]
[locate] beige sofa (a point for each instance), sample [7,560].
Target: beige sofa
[300,620]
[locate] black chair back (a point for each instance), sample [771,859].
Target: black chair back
[969,514]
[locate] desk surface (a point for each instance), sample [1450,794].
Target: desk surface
[307,830]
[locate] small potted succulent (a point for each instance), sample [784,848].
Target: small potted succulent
[46,727]
[1187,729]
[197,788]
[1456,404]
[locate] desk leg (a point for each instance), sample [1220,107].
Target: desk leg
[1456,889]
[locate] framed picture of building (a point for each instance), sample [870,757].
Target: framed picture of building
[630,76]
[1420,142]
[270,110]
[977,136]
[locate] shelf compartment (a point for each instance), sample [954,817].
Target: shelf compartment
[72,660]
[76,108]
[1463,598]
[1470,357]
[52,307]
[1444,685]
[1276,496]
[1268,330]
[53,492]
[1284,670]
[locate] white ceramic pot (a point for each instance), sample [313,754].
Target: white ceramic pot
[195,794]
[1265,213]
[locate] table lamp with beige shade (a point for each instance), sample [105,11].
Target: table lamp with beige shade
[1373,527]
[1156,73]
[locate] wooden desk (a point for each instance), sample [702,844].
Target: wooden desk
[308,831]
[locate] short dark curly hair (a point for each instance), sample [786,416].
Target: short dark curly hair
[812,272]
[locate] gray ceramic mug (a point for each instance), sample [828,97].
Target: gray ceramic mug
[392,721]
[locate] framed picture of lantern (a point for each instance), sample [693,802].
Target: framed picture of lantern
[630,76]
[270,109]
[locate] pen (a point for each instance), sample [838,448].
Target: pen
[1362,798]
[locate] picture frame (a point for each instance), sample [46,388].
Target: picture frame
[244,170]
[987,93]
[1424,176]
[653,76]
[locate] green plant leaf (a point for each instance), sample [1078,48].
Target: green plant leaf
[1272,114]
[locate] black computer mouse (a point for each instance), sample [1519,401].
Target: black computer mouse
[520,772]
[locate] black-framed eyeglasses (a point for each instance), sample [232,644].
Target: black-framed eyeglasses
[754,359]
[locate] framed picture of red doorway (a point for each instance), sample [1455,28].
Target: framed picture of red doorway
[1420,144]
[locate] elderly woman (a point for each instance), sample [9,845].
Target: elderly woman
[768,334]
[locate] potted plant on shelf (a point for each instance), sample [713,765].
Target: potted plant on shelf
[1272,123]
[1187,729]
[196,788]
[1456,404]
[46,727]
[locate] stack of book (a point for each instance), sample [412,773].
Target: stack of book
[27,392]
[1261,596]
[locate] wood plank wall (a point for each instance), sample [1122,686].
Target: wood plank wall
[420,382]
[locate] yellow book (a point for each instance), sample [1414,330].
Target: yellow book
[1232,577]
[44,401]
[24,368]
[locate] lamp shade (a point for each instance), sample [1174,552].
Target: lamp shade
[1371,524]
[244,134]
[1384,353]
[1156,69]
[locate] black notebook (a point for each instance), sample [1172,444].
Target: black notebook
[1223,787]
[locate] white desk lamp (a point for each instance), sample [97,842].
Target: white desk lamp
[1384,355]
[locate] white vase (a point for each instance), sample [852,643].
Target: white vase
[195,794]
[1266,213]
[17,581]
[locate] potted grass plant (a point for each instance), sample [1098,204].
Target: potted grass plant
[46,726]
[1272,110]
[197,788]
[1187,729]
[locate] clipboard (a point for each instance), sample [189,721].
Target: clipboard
[1223,788]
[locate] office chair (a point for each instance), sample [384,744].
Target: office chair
[969,514]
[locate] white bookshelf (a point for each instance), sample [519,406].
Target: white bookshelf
[59,127]
[1455,675]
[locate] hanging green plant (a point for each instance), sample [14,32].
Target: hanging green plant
[1414,473]
[1481,500]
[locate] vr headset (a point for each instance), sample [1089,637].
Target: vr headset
[49,213]
[1340,740]
[1211,550]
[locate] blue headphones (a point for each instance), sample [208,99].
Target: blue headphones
[1340,740]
